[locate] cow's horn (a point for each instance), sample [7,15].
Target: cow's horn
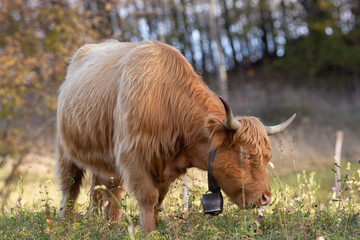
[271,130]
[229,122]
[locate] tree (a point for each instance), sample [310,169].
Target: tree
[36,45]
[219,60]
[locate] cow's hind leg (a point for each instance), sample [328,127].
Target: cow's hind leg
[111,195]
[114,195]
[96,195]
[70,177]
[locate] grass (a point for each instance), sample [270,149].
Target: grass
[295,212]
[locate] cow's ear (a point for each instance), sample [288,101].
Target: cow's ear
[217,130]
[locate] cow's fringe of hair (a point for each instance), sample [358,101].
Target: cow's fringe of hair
[251,132]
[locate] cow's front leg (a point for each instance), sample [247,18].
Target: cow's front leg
[147,195]
[163,189]
[146,205]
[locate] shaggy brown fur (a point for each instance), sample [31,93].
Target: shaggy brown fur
[138,114]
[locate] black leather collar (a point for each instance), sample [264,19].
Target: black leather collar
[213,187]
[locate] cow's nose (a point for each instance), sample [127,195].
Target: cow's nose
[266,198]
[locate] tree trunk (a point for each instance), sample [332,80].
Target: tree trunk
[284,23]
[179,35]
[227,23]
[187,33]
[266,27]
[356,12]
[220,58]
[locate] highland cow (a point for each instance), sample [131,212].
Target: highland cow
[137,115]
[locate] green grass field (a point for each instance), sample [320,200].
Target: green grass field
[301,209]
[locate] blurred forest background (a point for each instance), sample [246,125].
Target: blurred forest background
[271,58]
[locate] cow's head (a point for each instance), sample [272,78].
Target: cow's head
[242,155]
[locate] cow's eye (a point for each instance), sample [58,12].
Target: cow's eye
[245,156]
